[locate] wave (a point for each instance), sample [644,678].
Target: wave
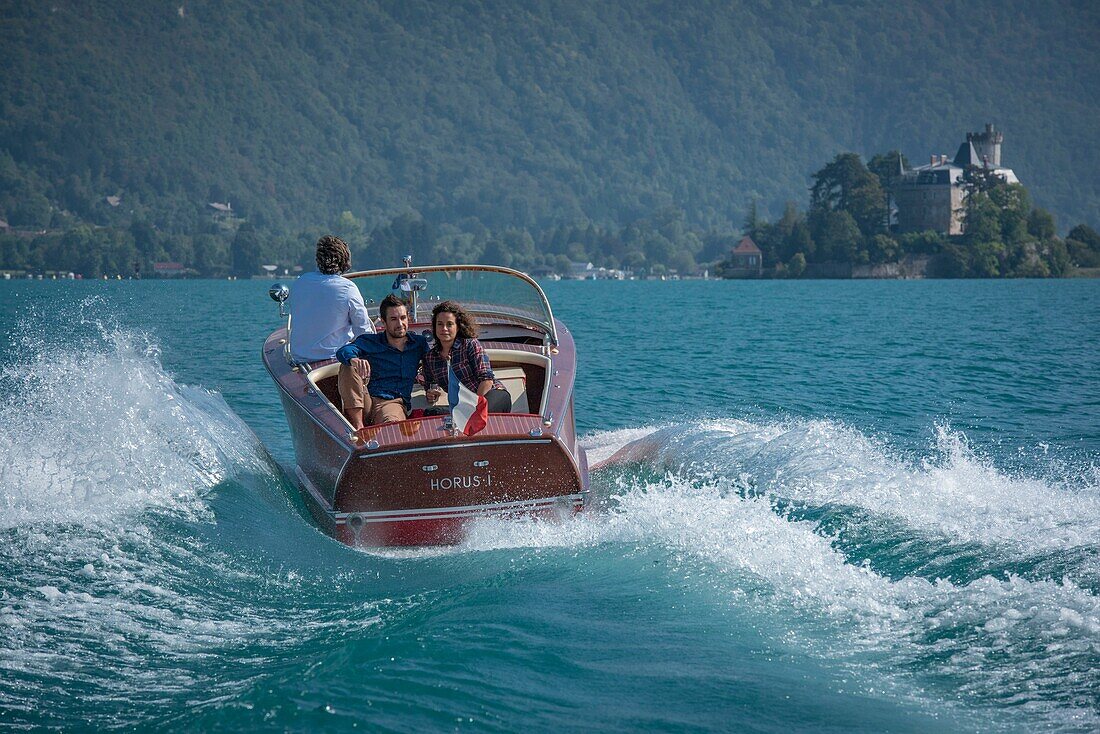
[112,476]
[819,469]
[813,520]
[94,427]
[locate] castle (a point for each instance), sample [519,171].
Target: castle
[930,197]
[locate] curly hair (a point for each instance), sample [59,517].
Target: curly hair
[333,255]
[467,327]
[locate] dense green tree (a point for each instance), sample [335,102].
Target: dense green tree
[496,253]
[145,239]
[180,249]
[922,243]
[799,240]
[635,260]
[1006,237]
[353,231]
[767,238]
[1040,224]
[1080,255]
[836,234]
[1015,206]
[1082,247]
[845,185]
[658,248]
[13,253]
[987,260]
[977,179]
[211,256]
[1032,267]
[797,265]
[246,252]
[32,210]
[1085,235]
[790,218]
[406,234]
[120,254]
[886,166]
[1058,259]
[520,246]
[576,252]
[1020,258]
[981,218]
[682,262]
[883,249]
[717,245]
[953,262]
[753,224]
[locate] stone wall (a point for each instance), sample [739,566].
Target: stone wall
[911,266]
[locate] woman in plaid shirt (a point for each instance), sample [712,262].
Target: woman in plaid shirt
[456,342]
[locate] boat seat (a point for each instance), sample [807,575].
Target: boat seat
[513,378]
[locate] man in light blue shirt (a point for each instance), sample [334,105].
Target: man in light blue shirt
[327,308]
[327,312]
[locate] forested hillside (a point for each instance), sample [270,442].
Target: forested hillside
[518,114]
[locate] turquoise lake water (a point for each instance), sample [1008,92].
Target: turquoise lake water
[867,506]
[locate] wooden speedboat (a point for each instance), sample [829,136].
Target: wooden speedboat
[418,481]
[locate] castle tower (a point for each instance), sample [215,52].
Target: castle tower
[987,145]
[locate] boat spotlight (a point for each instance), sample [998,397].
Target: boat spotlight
[279,292]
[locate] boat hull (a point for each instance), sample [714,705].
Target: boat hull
[429,494]
[429,527]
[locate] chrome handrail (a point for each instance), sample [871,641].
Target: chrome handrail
[550,328]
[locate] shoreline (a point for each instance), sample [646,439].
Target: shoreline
[1081,274]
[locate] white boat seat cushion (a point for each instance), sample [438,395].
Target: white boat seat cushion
[515,382]
[513,378]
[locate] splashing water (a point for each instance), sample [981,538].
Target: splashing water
[93,428]
[106,468]
[758,506]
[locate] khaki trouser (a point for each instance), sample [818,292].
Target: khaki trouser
[353,394]
[386,411]
[353,390]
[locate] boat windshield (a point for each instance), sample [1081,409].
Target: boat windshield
[480,289]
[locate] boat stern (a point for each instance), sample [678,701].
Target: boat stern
[427,495]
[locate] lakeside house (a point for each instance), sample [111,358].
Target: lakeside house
[747,261]
[588,271]
[930,197]
[580,271]
[223,215]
